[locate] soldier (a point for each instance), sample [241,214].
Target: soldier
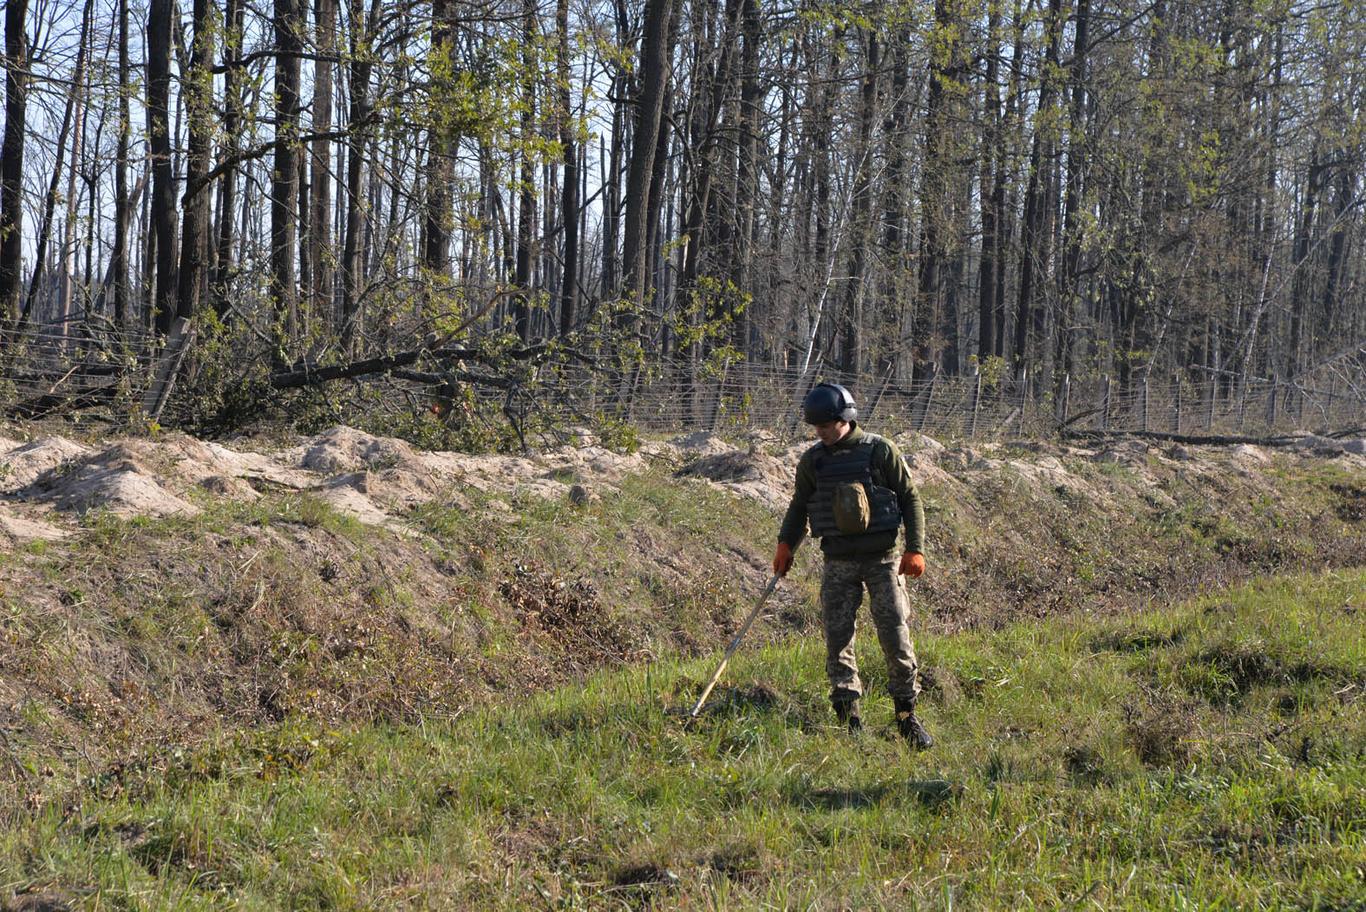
[856,491]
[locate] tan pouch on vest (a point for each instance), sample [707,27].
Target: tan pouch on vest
[852,512]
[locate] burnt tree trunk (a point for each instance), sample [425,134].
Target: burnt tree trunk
[118,257]
[645,137]
[987,327]
[353,251]
[12,159]
[321,254]
[284,183]
[1037,240]
[1300,295]
[70,115]
[436,223]
[569,197]
[526,196]
[891,305]
[234,20]
[1069,269]
[162,201]
[851,316]
[198,89]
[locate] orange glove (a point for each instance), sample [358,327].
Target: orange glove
[912,564]
[782,560]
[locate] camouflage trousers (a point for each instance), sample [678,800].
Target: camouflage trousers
[842,585]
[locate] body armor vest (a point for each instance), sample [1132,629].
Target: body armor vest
[840,472]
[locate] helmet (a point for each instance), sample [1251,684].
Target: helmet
[828,402]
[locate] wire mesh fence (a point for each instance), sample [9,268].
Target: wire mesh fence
[54,368]
[46,369]
[748,396]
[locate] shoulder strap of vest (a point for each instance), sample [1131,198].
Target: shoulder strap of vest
[873,440]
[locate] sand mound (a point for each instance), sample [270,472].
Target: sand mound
[370,478]
[350,495]
[550,475]
[700,443]
[765,478]
[913,442]
[24,464]
[258,468]
[18,529]
[115,479]
[344,449]
[378,479]
[596,462]
[1249,459]
[1047,474]
[925,469]
[1247,451]
[382,474]
[1124,452]
[229,487]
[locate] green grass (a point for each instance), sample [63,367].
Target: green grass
[1209,755]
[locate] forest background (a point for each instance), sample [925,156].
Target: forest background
[465,197]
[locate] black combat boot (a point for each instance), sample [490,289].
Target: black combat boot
[847,712]
[909,726]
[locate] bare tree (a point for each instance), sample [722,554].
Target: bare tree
[654,78]
[194,232]
[12,158]
[284,292]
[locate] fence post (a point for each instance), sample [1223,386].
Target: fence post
[1271,404]
[1065,402]
[720,394]
[172,356]
[976,401]
[1176,402]
[929,397]
[1213,398]
[1145,403]
[1242,403]
[882,390]
[1105,405]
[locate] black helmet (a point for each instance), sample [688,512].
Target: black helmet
[828,402]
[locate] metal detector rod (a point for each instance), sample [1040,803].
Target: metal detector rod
[735,643]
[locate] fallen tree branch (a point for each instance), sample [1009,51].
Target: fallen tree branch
[310,375]
[432,379]
[304,374]
[1208,440]
[57,403]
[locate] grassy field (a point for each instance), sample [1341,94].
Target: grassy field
[1210,755]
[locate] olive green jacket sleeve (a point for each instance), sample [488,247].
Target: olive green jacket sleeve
[897,476]
[793,530]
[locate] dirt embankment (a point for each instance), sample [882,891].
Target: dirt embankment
[155,589]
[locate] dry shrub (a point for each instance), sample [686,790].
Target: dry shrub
[567,618]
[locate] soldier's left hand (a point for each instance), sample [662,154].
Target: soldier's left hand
[912,564]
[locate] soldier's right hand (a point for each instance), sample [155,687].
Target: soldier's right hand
[782,560]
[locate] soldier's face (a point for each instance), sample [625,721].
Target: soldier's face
[831,432]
